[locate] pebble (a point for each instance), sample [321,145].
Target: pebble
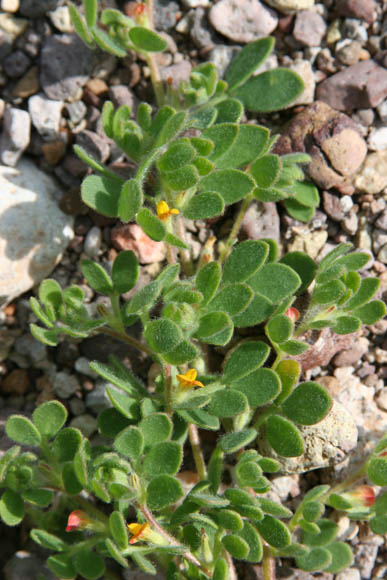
[242,20]
[261,220]
[82,365]
[361,9]
[24,566]
[381,222]
[10,5]
[350,224]
[16,64]
[304,69]
[176,73]
[65,385]
[17,382]
[28,85]
[86,423]
[350,574]
[36,8]
[77,406]
[96,145]
[45,115]
[92,243]
[352,28]
[332,206]
[15,137]
[34,351]
[353,355]
[309,28]
[382,111]
[122,95]
[76,111]
[97,400]
[61,19]
[165,14]
[131,237]
[372,176]
[290,6]
[360,86]
[201,34]
[30,217]
[377,139]
[12,25]
[348,51]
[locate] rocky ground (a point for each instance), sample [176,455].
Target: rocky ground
[52,89]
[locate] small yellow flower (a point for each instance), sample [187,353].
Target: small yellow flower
[163,211]
[188,380]
[139,532]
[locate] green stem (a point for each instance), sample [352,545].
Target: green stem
[126,338]
[264,415]
[235,228]
[268,564]
[348,482]
[194,439]
[185,255]
[115,302]
[168,389]
[152,62]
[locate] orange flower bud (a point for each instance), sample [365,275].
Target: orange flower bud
[362,496]
[293,314]
[78,520]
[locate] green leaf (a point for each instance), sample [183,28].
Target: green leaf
[50,417]
[334,254]
[248,473]
[269,194]
[146,40]
[220,570]
[115,553]
[245,260]
[354,261]
[304,266]
[380,505]
[204,205]
[298,211]
[81,462]
[308,404]
[171,127]
[250,143]
[313,510]
[294,347]
[207,280]
[130,443]
[274,509]
[371,312]
[232,184]
[107,43]
[279,328]
[151,225]
[162,335]
[377,470]
[50,294]
[143,563]
[11,508]
[130,200]
[80,25]
[49,337]
[229,111]
[228,519]
[183,178]
[200,418]
[155,428]
[62,566]
[107,116]
[284,437]
[97,277]
[91,11]
[144,298]
[227,403]
[118,374]
[71,483]
[47,540]
[315,560]
[247,61]
[308,527]
[236,546]
[232,442]
[215,328]
[251,536]
[305,193]
[232,298]
[203,165]
[215,468]
[342,557]
[328,293]
[89,564]
[270,91]
[259,309]
[367,290]
[168,275]
[163,491]
[274,532]
[66,444]
[260,387]
[266,170]
[118,529]
[275,282]
[125,272]
[346,324]
[245,358]
[163,458]
[184,352]
[127,406]
[328,532]
[40,313]
[22,430]
[378,524]
[222,136]
[178,154]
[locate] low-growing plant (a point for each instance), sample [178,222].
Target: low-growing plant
[126,498]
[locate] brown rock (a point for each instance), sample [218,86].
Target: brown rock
[332,206]
[97,86]
[28,85]
[131,237]
[360,86]
[332,140]
[361,9]
[53,151]
[16,382]
[353,355]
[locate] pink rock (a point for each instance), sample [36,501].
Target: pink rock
[131,237]
[309,28]
[361,9]
[243,20]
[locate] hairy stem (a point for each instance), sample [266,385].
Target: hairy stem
[126,338]
[152,62]
[168,389]
[197,451]
[235,228]
[185,255]
[268,564]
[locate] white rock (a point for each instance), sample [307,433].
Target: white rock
[304,69]
[61,19]
[377,139]
[372,176]
[346,203]
[33,230]
[350,574]
[45,115]
[15,137]
[92,243]
[10,5]
[289,6]
[242,20]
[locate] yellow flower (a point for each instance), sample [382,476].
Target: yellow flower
[139,532]
[163,211]
[188,379]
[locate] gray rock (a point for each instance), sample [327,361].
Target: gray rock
[16,64]
[33,230]
[221,56]
[350,223]
[37,8]
[25,566]
[97,400]
[200,32]
[34,351]
[5,44]
[381,222]
[121,95]
[304,69]
[382,254]
[86,423]
[348,51]
[82,365]
[15,137]
[92,243]
[45,115]
[261,221]
[96,145]
[352,28]
[290,6]
[360,86]
[65,385]
[165,14]
[242,20]
[309,28]
[77,111]
[176,72]
[382,111]
[377,139]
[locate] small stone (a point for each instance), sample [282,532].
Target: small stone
[97,400]
[360,86]
[36,8]
[364,117]
[10,5]
[350,574]
[24,566]
[34,351]
[309,28]
[346,203]
[53,151]
[97,86]
[27,85]
[377,139]
[261,221]
[310,243]
[121,95]
[332,206]
[381,222]
[97,146]
[382,111]
[382,254]
[61,19]
[65,385]
[350,224]
[304,69]
[17,382]
[77,111]
[12,25]
[93,240]
[165,14]
[352,28]
[131,237]
[176,73]
[372,176]
[348,52]
[16,135]
[82,365]
[361,9]
[353,355]
[45,115]
[16,64]
[290,6]
[381,399]
[242,20]
[201,34]
[86,423]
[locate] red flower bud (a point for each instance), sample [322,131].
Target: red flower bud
[78,520]
[363,496]
[293,314]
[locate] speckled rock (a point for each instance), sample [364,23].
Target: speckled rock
[33,230]
[332,139]
[290,6]
[326,443]
[242,20]
[372,176]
